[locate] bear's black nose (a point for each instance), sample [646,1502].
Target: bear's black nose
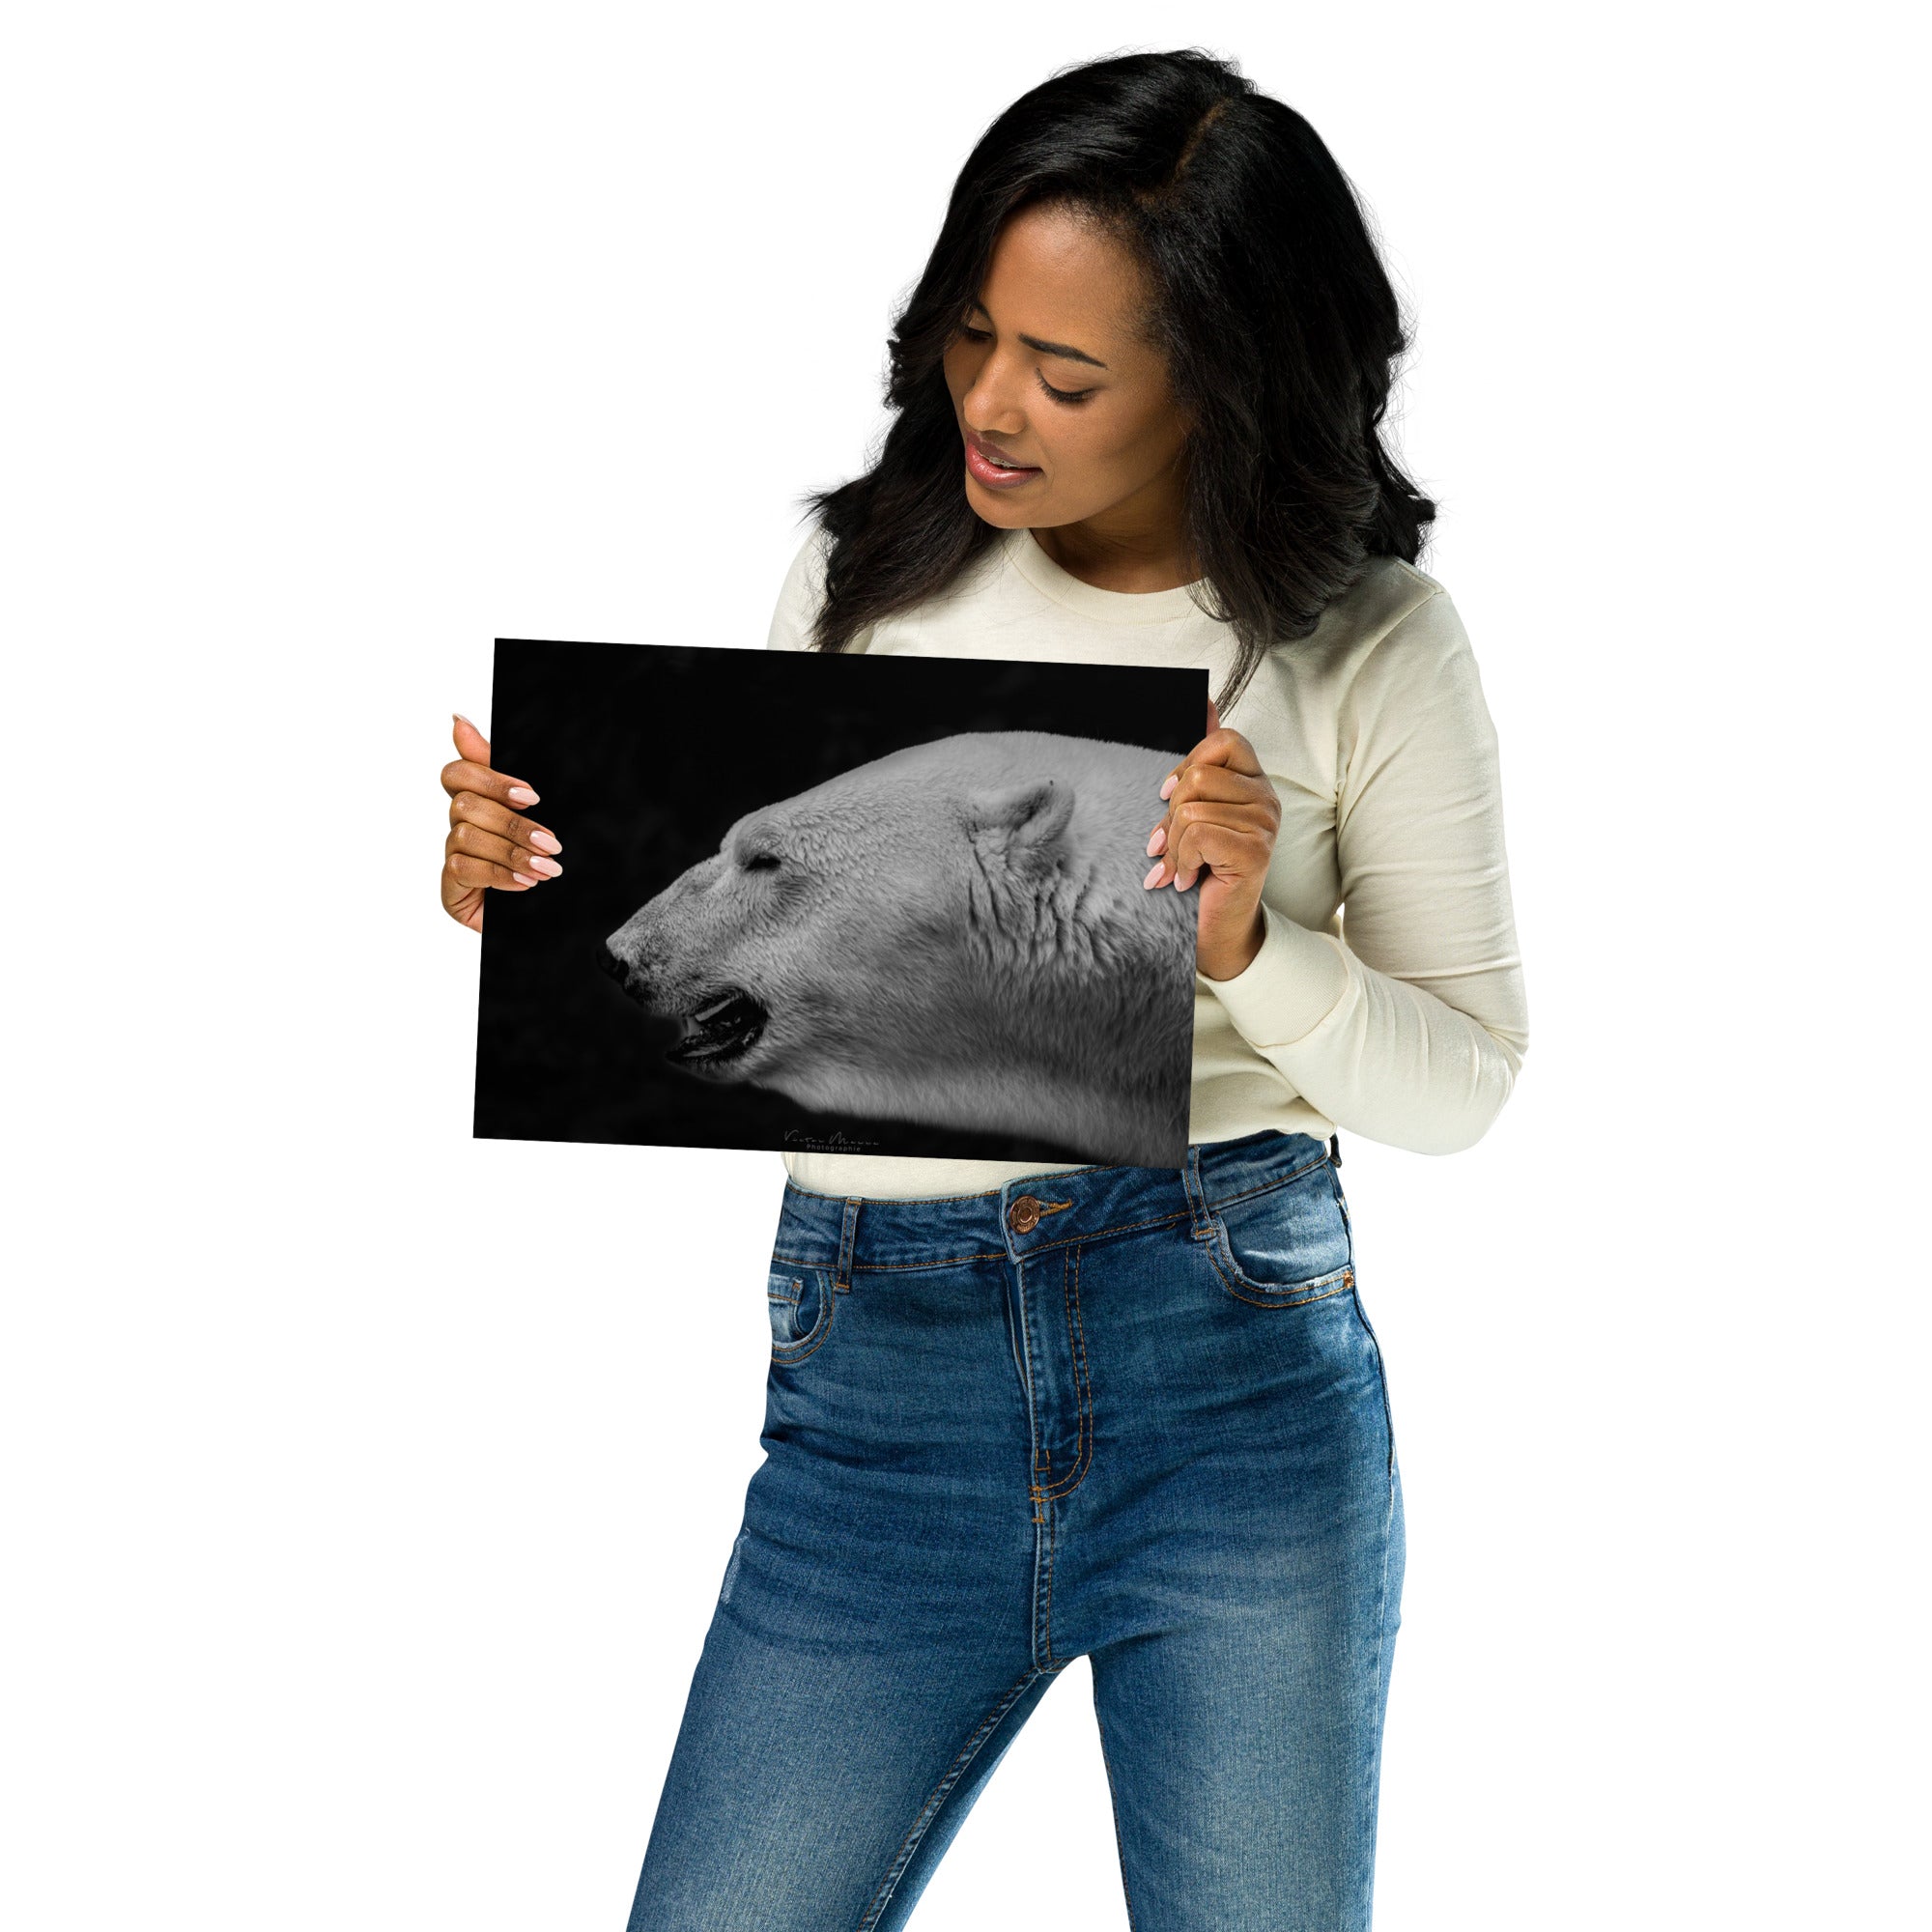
[631,974]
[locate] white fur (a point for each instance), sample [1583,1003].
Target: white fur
[957,934]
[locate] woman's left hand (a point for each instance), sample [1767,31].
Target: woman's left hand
[1222,818]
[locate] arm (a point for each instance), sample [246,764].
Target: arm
[1411,1027]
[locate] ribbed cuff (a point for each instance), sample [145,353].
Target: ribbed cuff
[1288,988]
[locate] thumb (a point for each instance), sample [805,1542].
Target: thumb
[1213,716]
[470,743]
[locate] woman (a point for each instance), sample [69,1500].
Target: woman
[1018,1416]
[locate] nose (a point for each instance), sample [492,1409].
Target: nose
[985,413]
[987,407]
[620,969]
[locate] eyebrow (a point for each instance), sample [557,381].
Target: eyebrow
[1071,354]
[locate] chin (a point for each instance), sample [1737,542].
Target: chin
[992,507]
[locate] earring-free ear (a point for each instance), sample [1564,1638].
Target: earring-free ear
[1028,821]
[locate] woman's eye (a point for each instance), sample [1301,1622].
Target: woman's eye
[1065,395]
[1058,395]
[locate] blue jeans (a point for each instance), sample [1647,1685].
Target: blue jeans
[1127,1413]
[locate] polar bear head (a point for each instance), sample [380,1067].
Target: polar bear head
[956,933]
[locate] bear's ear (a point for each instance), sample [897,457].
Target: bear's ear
[1027,822]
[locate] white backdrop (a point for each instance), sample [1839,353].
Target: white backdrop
[367,1486]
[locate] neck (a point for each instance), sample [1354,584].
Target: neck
[1124,550]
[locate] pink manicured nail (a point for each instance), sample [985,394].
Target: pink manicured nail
[1159,839]
[1184,880]
[548,868]
[544,842]
[1173,779]
[1156,874]
[522,795]
[525,879]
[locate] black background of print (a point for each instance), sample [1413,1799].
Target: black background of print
[643,756]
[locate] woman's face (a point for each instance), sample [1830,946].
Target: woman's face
[1054,315]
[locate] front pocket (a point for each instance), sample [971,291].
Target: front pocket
[1286,1243]
[801,1302]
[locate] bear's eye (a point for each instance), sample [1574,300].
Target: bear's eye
[760,862]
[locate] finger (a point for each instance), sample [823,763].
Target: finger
[1235,850]
[477,844]
[478,810]
[1218,787]
[1220,746]
[1213,717]
[1184,853]
[465,774]
[470,743]
[462,903]
[1222,782]
[1223,747]
[467,871]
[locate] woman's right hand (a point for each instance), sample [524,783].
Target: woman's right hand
[490,842]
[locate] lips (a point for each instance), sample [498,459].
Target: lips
[727,1027]
[998,458]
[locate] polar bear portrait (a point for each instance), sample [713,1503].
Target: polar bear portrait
[954,934]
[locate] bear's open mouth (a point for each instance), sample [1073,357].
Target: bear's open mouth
[728,1025]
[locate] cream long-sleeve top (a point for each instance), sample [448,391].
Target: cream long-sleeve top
[1387,997]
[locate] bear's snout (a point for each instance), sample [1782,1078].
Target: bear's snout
[626,973]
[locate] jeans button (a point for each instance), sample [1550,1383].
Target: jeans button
[1023,1216]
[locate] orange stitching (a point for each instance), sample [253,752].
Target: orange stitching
[1216,1237]
[999,1254]
[1043,1500]
[816,1338]
[1083,1455]
[1042,1458]
[1046,1609]
[878,1268]
[1347,1282]
[951,1261]
[1042,1505]
[1101,1233]
[1026,1377]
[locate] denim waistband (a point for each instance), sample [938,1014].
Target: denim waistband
[1034,1212]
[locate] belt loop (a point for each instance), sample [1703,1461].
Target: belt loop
[1197,1194]
[842,1275]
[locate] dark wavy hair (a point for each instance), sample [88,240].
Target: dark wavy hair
[1268,301]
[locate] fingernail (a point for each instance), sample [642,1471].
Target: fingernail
[1156,874]
[544,842]
[1182,880]
[461,720]
[1173,779]
[523,879]
[1159,839]
[522,795]
[548,868]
